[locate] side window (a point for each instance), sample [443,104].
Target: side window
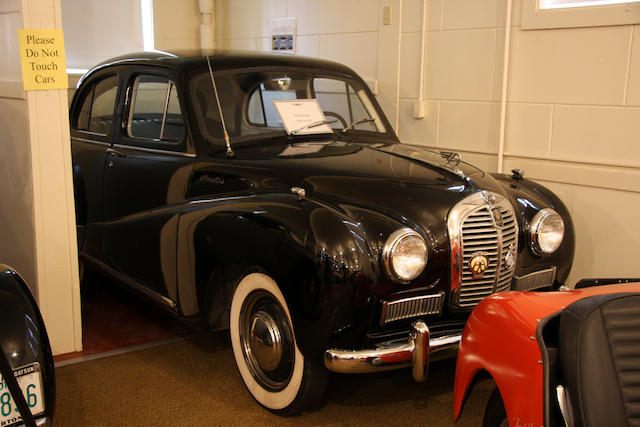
[340,98]
[155,112]
[96,114]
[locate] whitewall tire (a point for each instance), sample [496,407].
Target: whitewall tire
[263,341]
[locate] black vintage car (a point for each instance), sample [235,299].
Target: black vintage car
[322,246]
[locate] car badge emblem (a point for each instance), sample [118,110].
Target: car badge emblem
[497,217]
[510,258]
[478,264]
[488,197]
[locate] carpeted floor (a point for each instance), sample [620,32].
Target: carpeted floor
[195,383]
[112,319]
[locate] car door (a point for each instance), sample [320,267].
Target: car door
[146,179]
[91,135]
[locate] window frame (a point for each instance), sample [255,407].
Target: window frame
[168,145]
[534,18]
[89,91]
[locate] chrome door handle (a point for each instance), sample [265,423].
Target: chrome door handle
[115,153]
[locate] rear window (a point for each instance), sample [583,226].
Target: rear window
[96,114]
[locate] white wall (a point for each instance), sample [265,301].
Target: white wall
[463,77]
[341,30]
[573,122]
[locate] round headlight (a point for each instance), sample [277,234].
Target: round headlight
[405,254]
[547,231]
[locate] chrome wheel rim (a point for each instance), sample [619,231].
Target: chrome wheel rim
[266,340]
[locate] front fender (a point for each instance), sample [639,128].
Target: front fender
[500,339]
[315,253]
[528,198]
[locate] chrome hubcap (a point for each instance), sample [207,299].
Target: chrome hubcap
[265,341]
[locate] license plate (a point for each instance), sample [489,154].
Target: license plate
[30,381]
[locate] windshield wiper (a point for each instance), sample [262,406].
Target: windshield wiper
[357,122]
[312,125]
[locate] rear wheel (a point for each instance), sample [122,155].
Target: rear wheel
[494,414]
[275,372]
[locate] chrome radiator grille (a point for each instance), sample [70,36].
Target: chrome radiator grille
[483,225]
[411,307]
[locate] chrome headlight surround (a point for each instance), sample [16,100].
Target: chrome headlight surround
[404,255]
[547,232]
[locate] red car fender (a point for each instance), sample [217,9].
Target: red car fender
[500,337]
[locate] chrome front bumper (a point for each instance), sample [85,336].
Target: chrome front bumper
[416,353]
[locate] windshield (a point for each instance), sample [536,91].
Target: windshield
[247,102]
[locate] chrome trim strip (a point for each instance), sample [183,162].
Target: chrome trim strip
[166,105]
[154,151]
[43,422]
[415,353]
[89,141]
[422,305]
[88,132]
[535,280]
[132,284]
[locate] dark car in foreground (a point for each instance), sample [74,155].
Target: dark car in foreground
[27,378]
[268,194]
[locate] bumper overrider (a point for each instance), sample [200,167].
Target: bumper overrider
[416,353]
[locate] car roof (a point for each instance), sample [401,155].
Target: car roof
[220,60]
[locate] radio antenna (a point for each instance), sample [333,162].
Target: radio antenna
[224,127]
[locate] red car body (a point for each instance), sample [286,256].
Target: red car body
[501,338]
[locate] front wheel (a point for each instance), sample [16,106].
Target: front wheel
[275,372]
[494,414]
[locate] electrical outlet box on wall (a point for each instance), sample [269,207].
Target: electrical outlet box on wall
[284,35]
[419,109]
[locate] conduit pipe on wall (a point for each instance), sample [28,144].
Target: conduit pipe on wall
[207,28]
[419,108]
[505,86]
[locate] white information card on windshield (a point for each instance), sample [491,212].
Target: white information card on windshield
[302,116]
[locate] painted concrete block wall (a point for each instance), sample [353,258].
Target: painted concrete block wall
[573,123]
[340,30]
[463,77]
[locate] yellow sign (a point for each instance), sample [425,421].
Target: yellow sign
[44,65]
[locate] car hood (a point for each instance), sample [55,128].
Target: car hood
[404,182]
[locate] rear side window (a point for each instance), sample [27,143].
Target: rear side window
[96,114]
[155,110]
